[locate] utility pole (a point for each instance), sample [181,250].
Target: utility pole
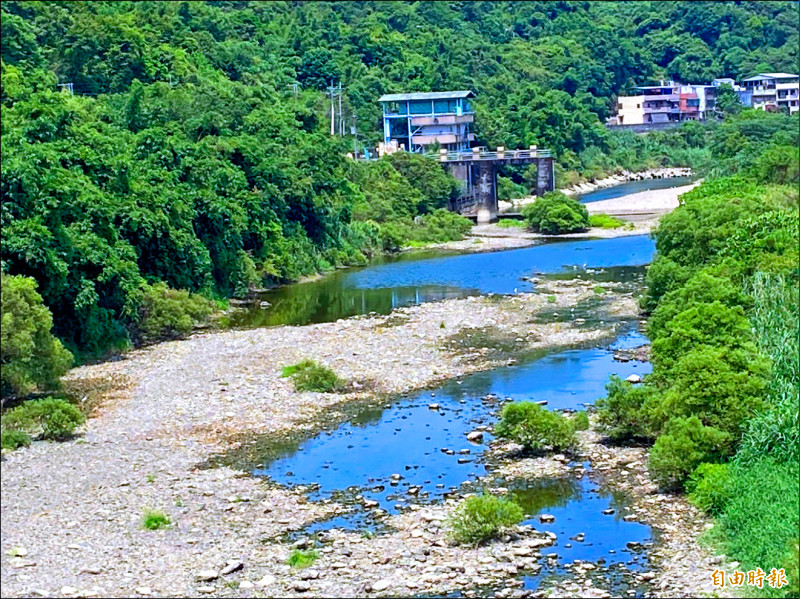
[332,91]
[341,114]
[354,133]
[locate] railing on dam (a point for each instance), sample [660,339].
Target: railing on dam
[477,155]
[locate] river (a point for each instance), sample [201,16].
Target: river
[413,450]
[631,187]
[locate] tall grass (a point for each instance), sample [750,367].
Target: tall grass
[759,525]
[774,317]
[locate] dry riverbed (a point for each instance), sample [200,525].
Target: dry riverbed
[71,512]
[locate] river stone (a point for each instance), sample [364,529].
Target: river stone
[266,581]
[207,590]
[634,379]
[608,512]
[301,586]
[381,585]
[232,566]
[207,575]
[475,436]
[547,518]
[309,574]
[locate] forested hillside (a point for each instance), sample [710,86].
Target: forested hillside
[184,157]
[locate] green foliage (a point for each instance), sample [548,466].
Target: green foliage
[727,100]
[774,432]
[684,444]
[166,313]
[302,559]
[511,223]
[507,189]
[186,157]
[310,376]
[628,411]
[581,421]
[709,487]
[155,520]
[49,418]
[481,517]
[441,226]
[604,221]
[760,521]
[535,427]
[31,356]
[13,439]
[555,213]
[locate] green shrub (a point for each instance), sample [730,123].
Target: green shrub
[581,421]
[166,313]
[705,287]
[535,427]
[154,520]
[49,418]
[627,411]
[556,213]
[310,376]
[508,190]
[605,221]
[302,559]
[709,487]
[30,355]
[481,517]
[682,446]
[723,387]
[440,226]
[13,439]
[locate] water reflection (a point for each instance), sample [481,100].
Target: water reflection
[413,450]
[390,283]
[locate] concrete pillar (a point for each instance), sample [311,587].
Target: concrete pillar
[545,176]
[487,193]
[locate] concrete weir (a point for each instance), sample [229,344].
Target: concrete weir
[478,172]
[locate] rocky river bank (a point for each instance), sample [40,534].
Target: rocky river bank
[72,512]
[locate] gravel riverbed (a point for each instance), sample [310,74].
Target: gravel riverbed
[72,511]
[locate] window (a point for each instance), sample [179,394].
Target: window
[420,107]
[444,106]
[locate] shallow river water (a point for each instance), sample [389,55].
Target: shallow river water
[414,448]
[420,277]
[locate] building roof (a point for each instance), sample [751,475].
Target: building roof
[769,76]
[426,96]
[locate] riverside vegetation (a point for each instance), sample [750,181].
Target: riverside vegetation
[186,158]
[721,406]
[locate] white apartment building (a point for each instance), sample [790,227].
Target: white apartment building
[773,91]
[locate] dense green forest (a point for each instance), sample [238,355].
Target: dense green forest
[721,405]
[186,159]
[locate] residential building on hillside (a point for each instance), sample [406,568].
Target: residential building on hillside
[630,110]
[688,103]
[773,91]
[417,121]
[745,95]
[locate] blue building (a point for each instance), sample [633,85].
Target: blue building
[416,121]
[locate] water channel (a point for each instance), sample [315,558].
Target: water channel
[413,449]
[617,191]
